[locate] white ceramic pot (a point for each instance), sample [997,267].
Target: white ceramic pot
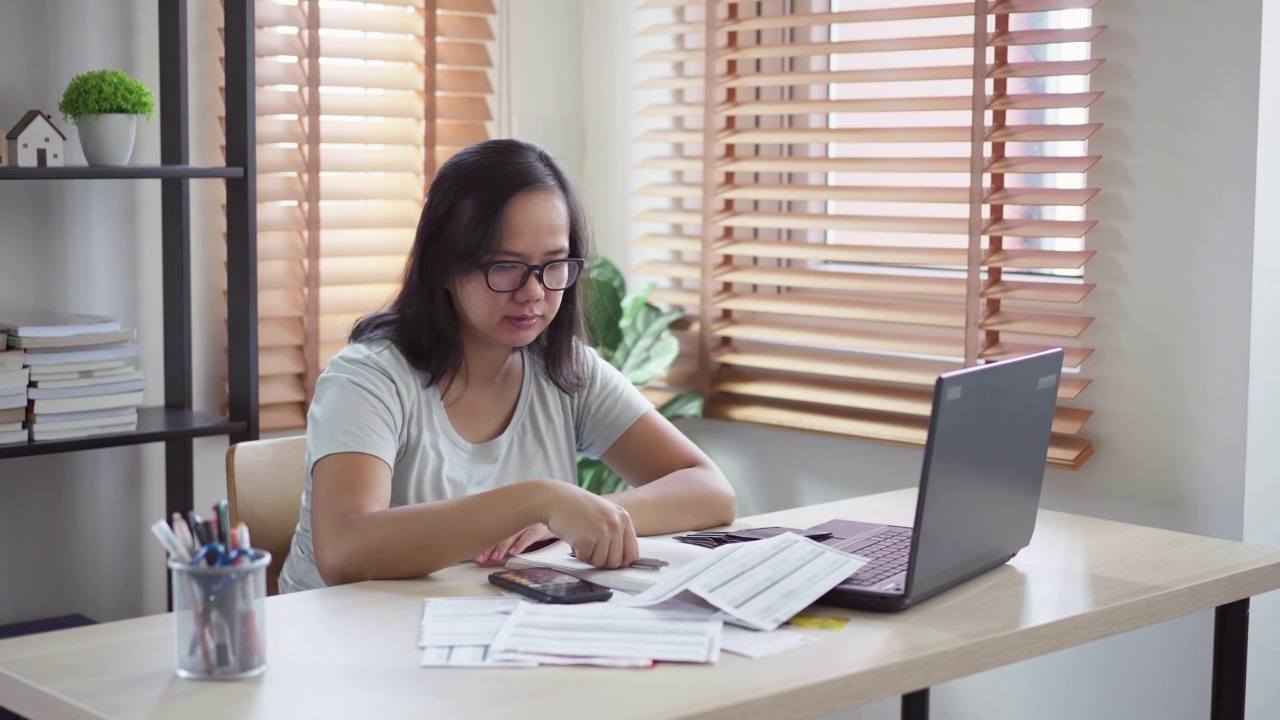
[107,139]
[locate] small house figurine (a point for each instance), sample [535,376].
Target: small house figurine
[35,142]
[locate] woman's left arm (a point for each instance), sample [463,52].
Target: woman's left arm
[674,485]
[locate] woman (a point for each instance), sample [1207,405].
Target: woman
[448,427]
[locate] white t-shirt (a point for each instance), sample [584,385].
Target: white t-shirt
[371,400]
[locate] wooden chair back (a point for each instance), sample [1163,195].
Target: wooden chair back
[265,479]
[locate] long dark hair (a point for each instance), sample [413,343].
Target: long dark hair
[460,228]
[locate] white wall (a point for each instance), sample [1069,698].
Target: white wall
[73,527]
[1172,374]
[542,98]
[1262,460]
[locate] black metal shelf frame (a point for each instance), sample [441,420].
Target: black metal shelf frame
[155,424]
[128,172]
[242,272]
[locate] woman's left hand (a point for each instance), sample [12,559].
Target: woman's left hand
[514,545]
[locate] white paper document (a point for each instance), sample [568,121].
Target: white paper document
[456,631]
[566,660]
[756,644]
[557,556]
[468,656]
[761,583]
[457,621]
[608,630]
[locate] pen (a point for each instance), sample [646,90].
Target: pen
[194,522]
[170,541]
[222,511]
[207,532]
[241,534]
[183,532]
[642,563]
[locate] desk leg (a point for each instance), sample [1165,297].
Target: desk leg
[915,706]
[1230,656]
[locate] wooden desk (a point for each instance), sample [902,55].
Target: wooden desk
[350,651]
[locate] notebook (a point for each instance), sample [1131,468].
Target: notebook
[979,488]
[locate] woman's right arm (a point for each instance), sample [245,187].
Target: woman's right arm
[358,536]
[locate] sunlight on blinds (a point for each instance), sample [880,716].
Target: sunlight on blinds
[358,103]
[847,204]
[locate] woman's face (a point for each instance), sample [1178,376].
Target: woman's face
[535,230]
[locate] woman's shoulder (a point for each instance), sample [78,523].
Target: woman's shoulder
[380,356]
[585,360]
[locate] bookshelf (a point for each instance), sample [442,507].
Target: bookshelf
[177,423]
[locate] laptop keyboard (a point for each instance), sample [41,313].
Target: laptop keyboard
[888,553]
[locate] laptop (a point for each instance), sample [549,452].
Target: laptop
[979,488]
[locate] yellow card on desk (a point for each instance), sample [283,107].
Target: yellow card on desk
[818,622]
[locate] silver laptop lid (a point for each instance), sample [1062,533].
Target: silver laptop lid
[983,467]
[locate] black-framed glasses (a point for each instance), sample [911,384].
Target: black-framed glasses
[506,276]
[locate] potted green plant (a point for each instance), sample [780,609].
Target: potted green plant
[633,335]
[104,105]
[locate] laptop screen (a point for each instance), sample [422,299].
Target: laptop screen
[983,467]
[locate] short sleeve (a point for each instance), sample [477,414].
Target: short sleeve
[357,407]
[605,407]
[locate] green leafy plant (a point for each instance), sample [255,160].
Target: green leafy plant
[100,92]
[633,335]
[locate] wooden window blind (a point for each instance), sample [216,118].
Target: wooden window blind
[849,197]
[357,104]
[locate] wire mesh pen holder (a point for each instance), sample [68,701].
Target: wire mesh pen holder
[219,619]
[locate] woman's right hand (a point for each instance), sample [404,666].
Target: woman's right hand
[599,531]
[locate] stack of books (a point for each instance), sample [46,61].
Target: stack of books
[13,393]
[83,373]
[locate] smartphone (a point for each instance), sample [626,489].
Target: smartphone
[549,586]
